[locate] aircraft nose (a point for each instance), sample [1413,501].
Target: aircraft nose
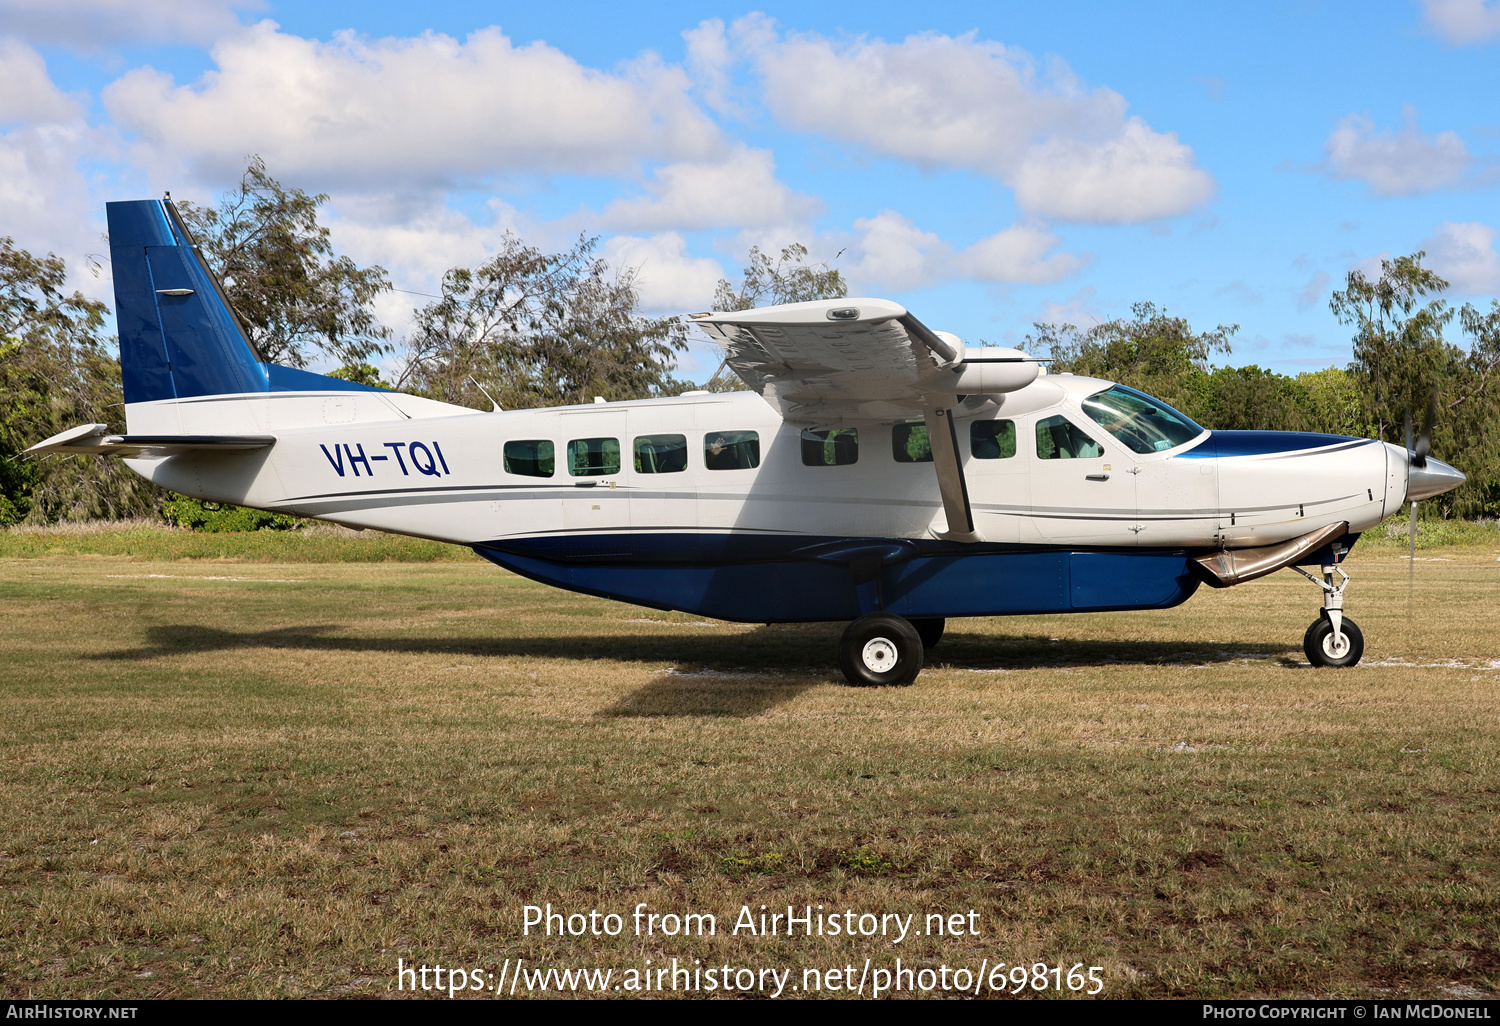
[1433,479]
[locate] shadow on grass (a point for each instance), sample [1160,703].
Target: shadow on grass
[709,693]
[805,649]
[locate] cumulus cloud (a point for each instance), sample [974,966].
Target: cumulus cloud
[1078,310]
[963,102]
[1312,293]
[427,109]
[1139,175]
[668,278]
[1463,22]
[94,24]
[1464,253]
[1404,163]
[1021,253]
[894,253]
[27,94]
[891,252]
[739,191]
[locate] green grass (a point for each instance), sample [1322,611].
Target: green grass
[279,778]
[150,541]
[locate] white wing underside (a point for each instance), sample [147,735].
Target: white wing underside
[841,361]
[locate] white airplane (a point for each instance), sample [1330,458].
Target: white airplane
[878,471]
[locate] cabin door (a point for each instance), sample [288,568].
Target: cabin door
[1082,489]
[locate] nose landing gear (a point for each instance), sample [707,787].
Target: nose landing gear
[1333,639]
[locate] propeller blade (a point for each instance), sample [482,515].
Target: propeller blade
[1411,559]
[1424,440]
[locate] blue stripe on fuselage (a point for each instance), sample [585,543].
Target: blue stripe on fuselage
[1261,443]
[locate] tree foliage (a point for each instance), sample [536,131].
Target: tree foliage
[787,279]
[56,372]
[766,282]
[541,329]
[1151,351]
[1399,351]
[294,296]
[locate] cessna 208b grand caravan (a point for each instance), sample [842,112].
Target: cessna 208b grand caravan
[876,471]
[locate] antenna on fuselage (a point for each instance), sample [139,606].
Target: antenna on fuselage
[497,408]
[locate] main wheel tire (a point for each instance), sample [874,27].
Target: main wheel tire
[930,630]
[1318,643]
[880,650]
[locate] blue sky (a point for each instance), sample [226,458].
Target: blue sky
[988,165]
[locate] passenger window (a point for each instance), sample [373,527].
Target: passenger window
[910,444]
[731,450]
[533,458]
[992,439]
[660,454]
[591,457]
[1057,438]
[837,447]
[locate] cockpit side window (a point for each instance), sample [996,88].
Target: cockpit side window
[1142,423]
[1058,438]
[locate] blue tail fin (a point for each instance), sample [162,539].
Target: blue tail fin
[178,336]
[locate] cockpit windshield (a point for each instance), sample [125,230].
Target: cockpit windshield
[1141,422]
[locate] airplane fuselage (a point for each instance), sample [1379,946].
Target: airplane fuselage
[785,527]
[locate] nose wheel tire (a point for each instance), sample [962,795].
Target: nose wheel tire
[881,650]
[930,630]
[1322,649]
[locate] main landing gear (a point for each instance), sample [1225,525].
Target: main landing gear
[883,649]
[1333,639]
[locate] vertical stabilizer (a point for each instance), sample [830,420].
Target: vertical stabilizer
[178,337]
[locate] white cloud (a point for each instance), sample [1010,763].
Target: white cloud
[429,110]
[1078,310]
[27,95]
[1404,163]
[709,60]
[92,24]
[44,199]
[942,101]
[1463,22]
[891,252]
[1139,175]
[1464,253]
[668,278]
[1021,253]
[1312,293]
[740,191]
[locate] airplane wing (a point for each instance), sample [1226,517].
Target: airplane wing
[841,361]
[834,362]
[95,439]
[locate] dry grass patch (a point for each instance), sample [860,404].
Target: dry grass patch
[277,780]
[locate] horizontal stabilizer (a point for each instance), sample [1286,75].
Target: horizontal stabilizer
[95,439]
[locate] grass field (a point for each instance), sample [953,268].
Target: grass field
[259,771]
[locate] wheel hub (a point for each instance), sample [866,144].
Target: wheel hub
[880,655]
[1336,646]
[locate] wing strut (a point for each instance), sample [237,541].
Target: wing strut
[942,435]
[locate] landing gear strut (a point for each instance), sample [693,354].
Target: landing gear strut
[881,649]
[1333,639]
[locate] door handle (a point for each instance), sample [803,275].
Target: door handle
[1098,477]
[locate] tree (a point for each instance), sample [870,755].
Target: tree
[1151,351]
[56,372]
[788,279]
[541,329]
[293,296]
[1399,352]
